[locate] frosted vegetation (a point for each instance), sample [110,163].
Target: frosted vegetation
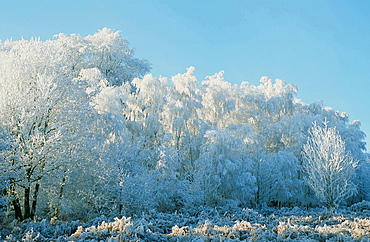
[92,147]
[205,224]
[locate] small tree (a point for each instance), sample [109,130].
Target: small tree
[328,165]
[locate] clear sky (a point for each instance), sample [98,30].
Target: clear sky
[322,46]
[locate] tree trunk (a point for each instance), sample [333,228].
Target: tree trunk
[17,209]
[56,210]
[15,202]
[34,200]
[26,205]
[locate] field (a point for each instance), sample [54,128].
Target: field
[206,224]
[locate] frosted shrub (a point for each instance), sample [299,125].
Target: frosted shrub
[243,226]
[361,206]
[105,230]
[287,230]
[248,214]
[177,231]
[31,236]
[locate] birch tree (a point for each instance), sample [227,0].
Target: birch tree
[329,167]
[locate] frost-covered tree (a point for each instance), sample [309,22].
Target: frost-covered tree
[105,50]
[45,108]
[354,137]
[27,104]
[217,100]
[278,179]
[223,172]
[329,166]
[181,120]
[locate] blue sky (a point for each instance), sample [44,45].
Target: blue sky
[322,46]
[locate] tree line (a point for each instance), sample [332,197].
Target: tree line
[85,130]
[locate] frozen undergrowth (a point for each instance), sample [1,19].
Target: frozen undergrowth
[206,224]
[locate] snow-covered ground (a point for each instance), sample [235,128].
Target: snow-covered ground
[206,224]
